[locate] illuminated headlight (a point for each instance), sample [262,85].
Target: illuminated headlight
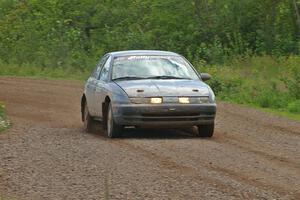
[181,100]
[156,100]
[184,100]
[144,100]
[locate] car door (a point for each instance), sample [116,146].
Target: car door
[101,89]
[91,86]
[89,91]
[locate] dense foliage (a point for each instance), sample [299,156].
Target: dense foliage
[260,81]
[250,46]
[53,33]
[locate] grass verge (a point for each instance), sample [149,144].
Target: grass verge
[285,114]
[66,73]
[279,113]
[4,123]
[272,84]
[2,198]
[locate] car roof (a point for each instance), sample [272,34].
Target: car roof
[143,52]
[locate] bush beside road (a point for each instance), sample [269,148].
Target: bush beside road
[4,123]
[264,82]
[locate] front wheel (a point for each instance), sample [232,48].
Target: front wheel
[113,129]
[206,130]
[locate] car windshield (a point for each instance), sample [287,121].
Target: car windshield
[152,67]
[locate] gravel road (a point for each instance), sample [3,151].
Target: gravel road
[47,155]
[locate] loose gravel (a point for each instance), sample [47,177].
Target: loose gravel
[47,155]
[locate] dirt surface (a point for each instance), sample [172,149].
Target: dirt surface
[47,155]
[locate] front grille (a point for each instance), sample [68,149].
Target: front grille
[170,114]
[169,119]
[176,114]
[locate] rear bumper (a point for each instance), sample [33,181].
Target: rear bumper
[167,115]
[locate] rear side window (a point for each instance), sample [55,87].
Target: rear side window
[104,76]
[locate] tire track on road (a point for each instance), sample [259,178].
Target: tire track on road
[32,101]
[272,126]
[169,164]
[240,143]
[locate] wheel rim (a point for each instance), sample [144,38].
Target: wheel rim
[109,122]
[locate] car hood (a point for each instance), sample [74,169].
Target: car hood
[151,88]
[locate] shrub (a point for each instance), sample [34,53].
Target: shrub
[4,123]
[294,107]
[271,99]
[262,81]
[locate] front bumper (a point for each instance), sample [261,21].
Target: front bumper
[164,115]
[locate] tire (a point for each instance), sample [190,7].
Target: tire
[89,122]
[206,130]
[113,130]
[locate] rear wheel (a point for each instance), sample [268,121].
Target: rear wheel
[206,130]
[113,130]
[89,122]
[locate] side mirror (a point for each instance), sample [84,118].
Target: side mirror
[205,76]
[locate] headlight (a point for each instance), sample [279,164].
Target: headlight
[203,99]
[170,100]
[184,100]
[199,100]
[139,100]
[156,100]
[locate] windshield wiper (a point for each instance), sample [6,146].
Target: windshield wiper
[128,78]
[166,77]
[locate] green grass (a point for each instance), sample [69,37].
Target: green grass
[4,123]
[263,82]
[3,198]
[67,73]
[282,113]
